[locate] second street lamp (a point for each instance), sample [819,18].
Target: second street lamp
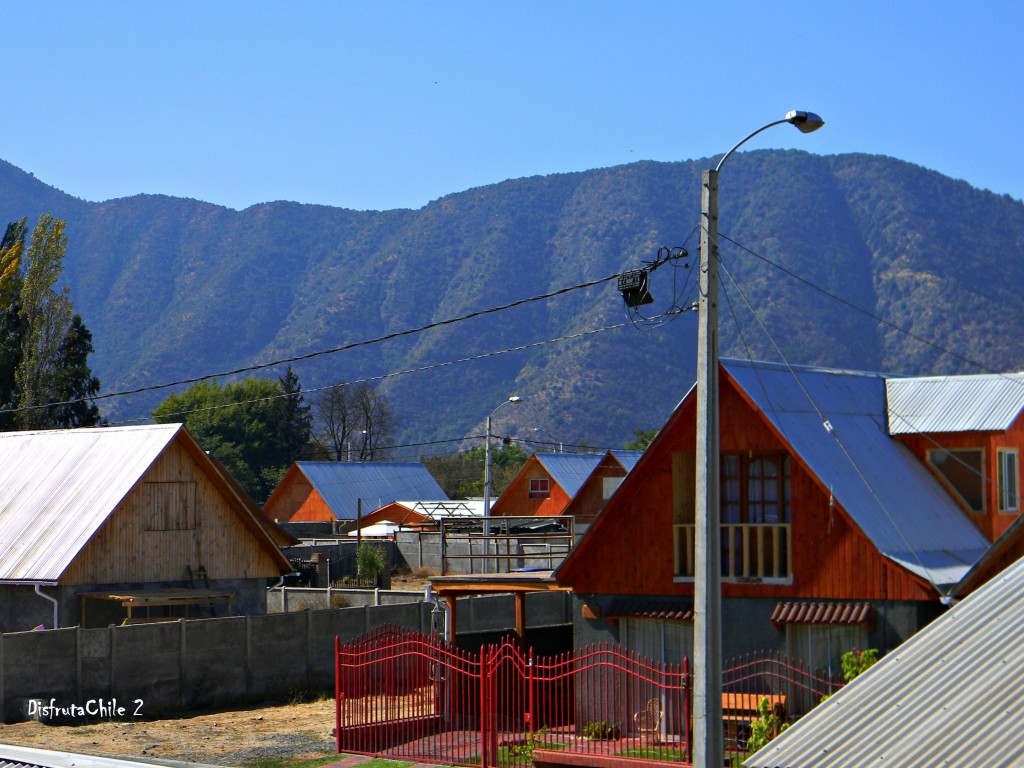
[708,751]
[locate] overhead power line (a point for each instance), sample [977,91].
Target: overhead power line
[320,353]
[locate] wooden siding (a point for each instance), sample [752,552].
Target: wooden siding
[992,523]
[516,501]
[589,499]
[128,549]
[295,501]
[629,550]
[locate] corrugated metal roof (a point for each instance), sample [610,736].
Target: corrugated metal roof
[342,484]
[989,402]
[952,694]
[57,487]
[822,613]
[31,757]
[569,470]
[628,459]
[886,491]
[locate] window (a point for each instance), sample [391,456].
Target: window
[609,485]
[539,488]
[1008,483]
[962,470]
[755,503]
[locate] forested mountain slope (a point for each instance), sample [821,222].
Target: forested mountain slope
[174,288]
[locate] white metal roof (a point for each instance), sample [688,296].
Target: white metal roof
[887,492]
[953,694]
[57,487]
[987,402]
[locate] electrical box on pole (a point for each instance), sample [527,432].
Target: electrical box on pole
[633,287]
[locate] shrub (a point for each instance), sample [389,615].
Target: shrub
[599,730]
[765,727]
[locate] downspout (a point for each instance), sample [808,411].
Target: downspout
[56,615]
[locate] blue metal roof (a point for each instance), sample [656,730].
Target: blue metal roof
[628,459]
[836,422]
[569,470]
[342,484]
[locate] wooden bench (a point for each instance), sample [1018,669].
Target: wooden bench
[739,709]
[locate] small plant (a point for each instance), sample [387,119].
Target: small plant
[423,572]
[856,662]
[599,730]
[340,601]
[369,561]
[765,727]
[524,752]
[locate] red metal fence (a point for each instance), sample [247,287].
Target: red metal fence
[405,695]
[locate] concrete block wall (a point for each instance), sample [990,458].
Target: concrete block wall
[174,667]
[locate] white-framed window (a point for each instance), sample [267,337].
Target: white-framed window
[1009,484]
[540,488]
[963,471]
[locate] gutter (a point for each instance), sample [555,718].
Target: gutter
[56,614]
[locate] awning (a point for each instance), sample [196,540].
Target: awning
[667,609]
[822,613]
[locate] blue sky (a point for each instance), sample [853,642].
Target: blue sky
[377,105]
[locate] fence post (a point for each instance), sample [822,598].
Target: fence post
[529,679]
[337,693]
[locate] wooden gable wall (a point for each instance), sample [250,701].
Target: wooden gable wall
[296,501]
[175,517]
[629,549]
[589,499]
[516,501]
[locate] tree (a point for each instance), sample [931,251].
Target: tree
[44,345]
[641,439]
[461,475]
[240,424]
[353,422]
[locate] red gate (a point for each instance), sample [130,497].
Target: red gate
[410,696]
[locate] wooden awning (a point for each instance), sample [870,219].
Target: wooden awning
[150,598]
[518,583]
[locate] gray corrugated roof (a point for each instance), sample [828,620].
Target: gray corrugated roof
[342,484]
[570,470]
[986,403]
[886,491]
[57,487]
[951,695]
[31,757]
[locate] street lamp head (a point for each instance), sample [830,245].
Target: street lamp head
[806,122]
[515,399]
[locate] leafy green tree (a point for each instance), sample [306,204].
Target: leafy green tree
[44,345]
[461,475]
[641,439]
[239,423]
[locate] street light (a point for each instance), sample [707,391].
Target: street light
[707,591]
[486,473]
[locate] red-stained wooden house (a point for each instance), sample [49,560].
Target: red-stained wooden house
[548,482]
[842,523]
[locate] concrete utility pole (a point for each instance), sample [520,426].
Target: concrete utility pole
[708,747]
[487,469]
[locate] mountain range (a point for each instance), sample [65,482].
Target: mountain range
[851,261]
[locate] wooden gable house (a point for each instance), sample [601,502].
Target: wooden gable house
[833,535]
[603,481]
[125,518]
[340,492]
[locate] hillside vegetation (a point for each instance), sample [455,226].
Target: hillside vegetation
[174,288]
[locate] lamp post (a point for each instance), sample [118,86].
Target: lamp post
[487,455]
[707,594]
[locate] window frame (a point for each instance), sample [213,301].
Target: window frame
[948,484]
[1002,457]
[540,488]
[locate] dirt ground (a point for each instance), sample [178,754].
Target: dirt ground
[235,738]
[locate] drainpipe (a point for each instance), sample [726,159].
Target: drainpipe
[56,616]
